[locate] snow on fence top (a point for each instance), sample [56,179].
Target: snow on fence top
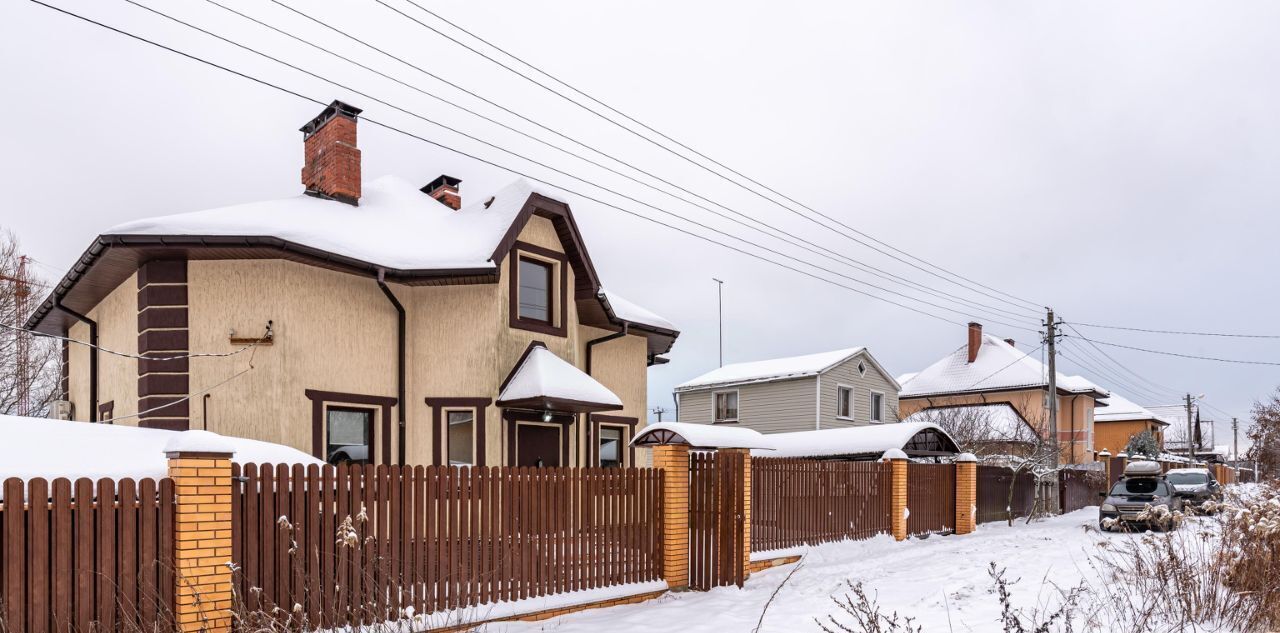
[869,442]
[773,369]
[36,447]
[703,436]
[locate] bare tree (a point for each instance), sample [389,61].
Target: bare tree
[1265,435]
[27,387]
[987,431]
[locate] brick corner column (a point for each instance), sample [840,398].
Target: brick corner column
[163,341]
[966,493]
[1104,456]
[673,461]
[898,500]
[202,538]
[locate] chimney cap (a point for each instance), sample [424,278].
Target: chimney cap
[337,108]
[441,181]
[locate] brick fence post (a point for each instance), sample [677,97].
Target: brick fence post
[200,466]
[1105,458]
[898,504]
[966,493]
[1124,462]
[673,461]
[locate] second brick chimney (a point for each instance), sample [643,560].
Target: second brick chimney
[975,340]
[332,161]
[445,189]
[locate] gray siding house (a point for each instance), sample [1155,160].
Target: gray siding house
[828,390]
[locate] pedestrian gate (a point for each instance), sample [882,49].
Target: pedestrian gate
[716,519]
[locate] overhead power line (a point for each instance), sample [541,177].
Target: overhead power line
[1180,355]
[1011,299]
[100,348]
[1114,361]
[548,166]
[790,238]
[491,163]
[1181,332]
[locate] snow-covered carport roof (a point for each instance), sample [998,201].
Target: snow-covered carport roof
[702,436]
[916,439]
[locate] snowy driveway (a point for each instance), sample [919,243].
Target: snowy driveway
[941,581]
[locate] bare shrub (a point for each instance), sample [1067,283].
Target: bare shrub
[865,615]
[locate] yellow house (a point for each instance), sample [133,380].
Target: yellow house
[1115,425]
[376,321]
[990,370]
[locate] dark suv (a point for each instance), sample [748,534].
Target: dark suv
[1194,486]
[1142,498]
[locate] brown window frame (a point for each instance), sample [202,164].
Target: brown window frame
[440,423]
[628,426]
[558,302]
[381,440]
[370,429]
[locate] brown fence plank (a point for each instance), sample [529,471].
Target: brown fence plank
[15,556]
[127,552]
[105,608]
[148,553]
[37,555]
[62,590]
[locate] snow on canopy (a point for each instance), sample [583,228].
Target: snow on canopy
[773,369]
[999,366]
[632,313]
[999,421]
[1120,408]
[862,441]
[37,447]
[543,376]
[703,436]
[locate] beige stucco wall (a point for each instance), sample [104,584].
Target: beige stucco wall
[337,332]
[117,318]
[1029,403]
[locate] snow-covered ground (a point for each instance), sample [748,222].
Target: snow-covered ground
[942,582]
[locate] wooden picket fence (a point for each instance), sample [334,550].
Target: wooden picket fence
[993,493]
[797,502]
[363,544]
[931,498]
[86,556]
[1079,488]
[716,516]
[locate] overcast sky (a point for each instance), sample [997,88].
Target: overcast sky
[1116,161]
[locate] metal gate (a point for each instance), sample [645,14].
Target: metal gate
[716,517]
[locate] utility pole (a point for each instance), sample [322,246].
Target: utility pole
[1051,339]
[1191,449]
[1235,441]
[658,410]
[720,310]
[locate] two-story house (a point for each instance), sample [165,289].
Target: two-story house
[990,370]
[828,390]
[364,320]
[1122,419]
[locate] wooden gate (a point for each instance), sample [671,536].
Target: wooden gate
[716,518]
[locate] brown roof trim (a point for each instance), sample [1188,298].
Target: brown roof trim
[558,404]
[202,247]
[520,361]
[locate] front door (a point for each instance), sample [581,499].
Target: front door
[537,445]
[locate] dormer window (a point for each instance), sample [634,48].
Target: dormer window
[539,281]
[535,290]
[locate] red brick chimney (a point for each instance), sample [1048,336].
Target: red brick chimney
[975,340]
[332,161]
[445,189]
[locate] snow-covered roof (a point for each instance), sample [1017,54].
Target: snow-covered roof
[543,378]
[704,436]
[999,422]
[871,440]
[999,366]
[38,447]
[632,313]
[1120,409]
[395,225]
[772,369]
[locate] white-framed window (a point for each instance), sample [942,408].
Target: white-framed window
[877,406]
[844,402]
[461,444]
[726,404]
